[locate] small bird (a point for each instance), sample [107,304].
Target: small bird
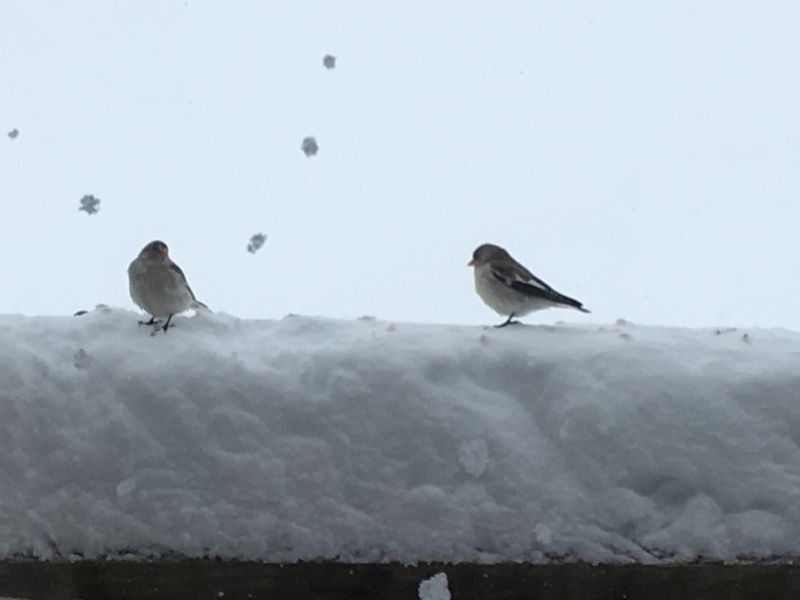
[158,285]
[510,289]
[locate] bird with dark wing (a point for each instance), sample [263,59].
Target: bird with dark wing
[510,289]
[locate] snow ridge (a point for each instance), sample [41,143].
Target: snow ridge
[311,438]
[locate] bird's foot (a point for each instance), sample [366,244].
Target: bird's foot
[509,321]
[152,321]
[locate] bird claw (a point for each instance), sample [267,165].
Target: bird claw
[509,321]
[157,325]
[152,321]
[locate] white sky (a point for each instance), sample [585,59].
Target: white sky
[643,157]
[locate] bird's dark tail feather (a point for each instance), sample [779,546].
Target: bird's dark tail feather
[548,294]
[572,303]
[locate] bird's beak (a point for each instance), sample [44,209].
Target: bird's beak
[471,263]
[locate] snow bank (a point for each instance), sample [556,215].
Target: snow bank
[309,438]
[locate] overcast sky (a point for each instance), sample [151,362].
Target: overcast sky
[643,157]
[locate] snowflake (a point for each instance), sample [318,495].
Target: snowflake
[256,241]
[89,204]
[329,61]
[309,146]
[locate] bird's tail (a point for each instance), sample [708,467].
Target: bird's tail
[197,304]
[570,302]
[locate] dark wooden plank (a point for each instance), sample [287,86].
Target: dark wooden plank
[222,580]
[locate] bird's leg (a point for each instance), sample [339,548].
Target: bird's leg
[152,321]
[509,321]
[166,325]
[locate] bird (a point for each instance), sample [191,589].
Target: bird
[510,289]
[158,286]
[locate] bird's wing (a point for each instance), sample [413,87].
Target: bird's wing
[179,271]
[520,279]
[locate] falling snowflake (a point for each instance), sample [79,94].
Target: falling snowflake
[89,204]
[256,241]
[13,134]
[309,146]
[329,61]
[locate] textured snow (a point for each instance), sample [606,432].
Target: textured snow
[434,588]
[360,440]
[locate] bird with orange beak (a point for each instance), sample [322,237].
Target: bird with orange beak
[158,286]
[510,289]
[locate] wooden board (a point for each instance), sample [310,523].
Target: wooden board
[222,580]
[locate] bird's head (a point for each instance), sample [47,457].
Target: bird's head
[155,251]
[486,253]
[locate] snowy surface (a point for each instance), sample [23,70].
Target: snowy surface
[365,440]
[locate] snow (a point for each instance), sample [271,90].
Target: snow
[434,588]
[309,438]
[309,146]
[89,204]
